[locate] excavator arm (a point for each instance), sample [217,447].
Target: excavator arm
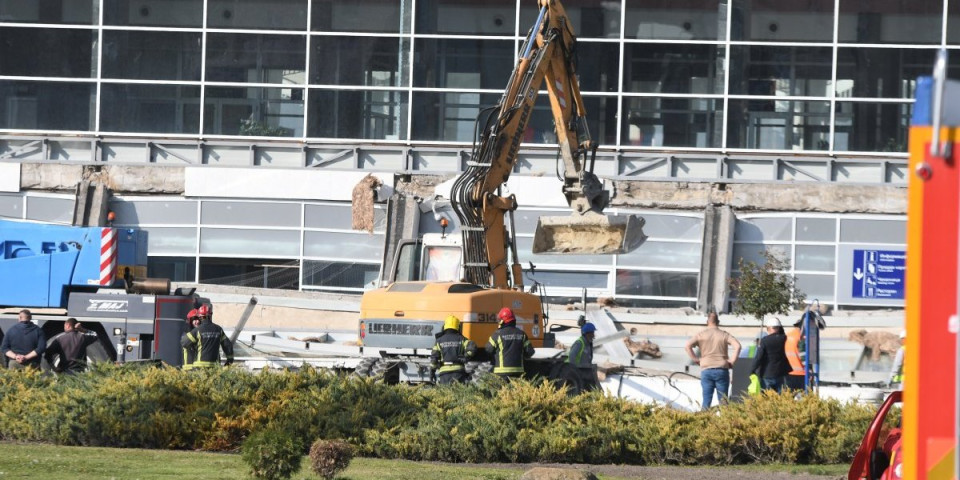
[490,255]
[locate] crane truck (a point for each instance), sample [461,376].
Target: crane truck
[924,446]
[63,271]
[477,274]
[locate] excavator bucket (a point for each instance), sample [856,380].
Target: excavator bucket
[591,233]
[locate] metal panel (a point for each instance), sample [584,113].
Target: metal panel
[738,169]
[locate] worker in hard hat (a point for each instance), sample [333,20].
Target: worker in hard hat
[451,353]
[508,346]
[581,373]
[896,371]
[189,348]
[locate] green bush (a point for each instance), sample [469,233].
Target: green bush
[272,454]
[330,457]
[521,421]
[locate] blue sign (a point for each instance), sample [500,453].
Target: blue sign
[879,273]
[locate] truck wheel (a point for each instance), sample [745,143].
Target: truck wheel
[364,367]
[386,372]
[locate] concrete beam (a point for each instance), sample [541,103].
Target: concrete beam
[117,178]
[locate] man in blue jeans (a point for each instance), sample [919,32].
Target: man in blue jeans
[714,360]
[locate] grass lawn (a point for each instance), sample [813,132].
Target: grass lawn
[32,461]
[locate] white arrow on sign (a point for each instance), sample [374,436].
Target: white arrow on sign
[858,274]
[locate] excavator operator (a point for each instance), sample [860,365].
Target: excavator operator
[451,353]
[508,346]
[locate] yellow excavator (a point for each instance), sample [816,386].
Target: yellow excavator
[476,275]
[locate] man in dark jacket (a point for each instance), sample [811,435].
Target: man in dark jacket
[209,339]
[771,363]
[72,348]
[451,353]
[24,343]
[508,346]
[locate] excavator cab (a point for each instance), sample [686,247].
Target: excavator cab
[588,233]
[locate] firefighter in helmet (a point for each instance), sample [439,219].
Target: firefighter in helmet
[508,346]
[189,348]
[451,352]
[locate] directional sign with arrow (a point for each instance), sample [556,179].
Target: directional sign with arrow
[878,274]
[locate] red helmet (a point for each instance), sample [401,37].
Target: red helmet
[204,311]
[506,315]
[192,314]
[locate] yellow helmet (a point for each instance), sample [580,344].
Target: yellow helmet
[451,323]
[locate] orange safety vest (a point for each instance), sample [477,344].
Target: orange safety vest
[791,348]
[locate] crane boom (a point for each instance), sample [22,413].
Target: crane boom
[547,55]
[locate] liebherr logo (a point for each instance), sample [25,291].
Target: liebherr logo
[115,306]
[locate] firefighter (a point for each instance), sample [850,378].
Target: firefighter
[189,348]
[209,339]
[508,346]
[580,371]
[451,353]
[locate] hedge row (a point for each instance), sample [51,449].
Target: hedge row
[485,422]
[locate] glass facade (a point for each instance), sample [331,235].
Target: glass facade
[748,75]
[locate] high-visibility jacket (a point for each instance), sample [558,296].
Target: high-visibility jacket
[581,353]
[508,346]
[209,339]
[792,349]
[189,351]
[451,351]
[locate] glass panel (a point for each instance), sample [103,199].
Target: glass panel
[367,114]
[150,108]
[525,246]
[480,17]
[171,240]
[660,284]
[953,25]
[872,127]
[468,64]
[817,258]
[339,275]
[873,231]
[816,287]
[82,12]
[764,229]
[177,269]
[251,272]
[656,254]
[885,72]
[816,229]
[146,213]
[47,105]
[650,68]
[442,264]
[254,111]
[890,21]
[672,122]
[151,55]
[778,21]
[601,120]
[381,62]
[47,52]
[589,18]
[263,14]
[356,246]
[597,66]
[339,216]
[674,227]
[787,71]
[234,241]
[569,279]
[154,13]
[526,220]
[48,209]
[242,57]
[11,206]
[250,213]
[448,116]
[671,20]
[778,125]
[753,252]
[387,16]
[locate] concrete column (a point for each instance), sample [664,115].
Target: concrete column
[719,223]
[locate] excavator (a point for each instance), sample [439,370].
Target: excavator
[473,277]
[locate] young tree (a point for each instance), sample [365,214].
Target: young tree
[763,289]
